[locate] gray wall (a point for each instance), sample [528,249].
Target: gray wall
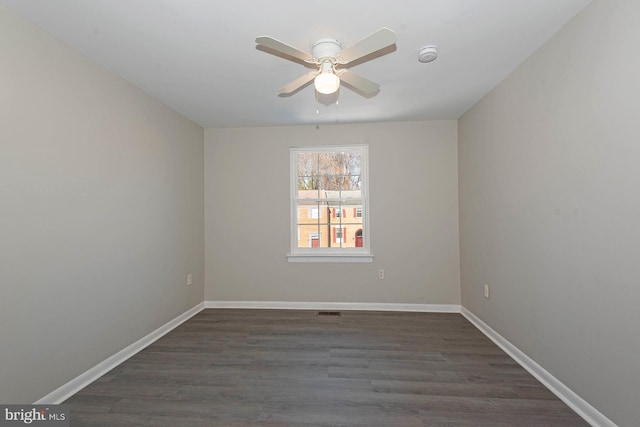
[101,213]
[414,216]
[550,207]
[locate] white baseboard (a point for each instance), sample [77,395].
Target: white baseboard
[335,306]
[62,393]
[575,402]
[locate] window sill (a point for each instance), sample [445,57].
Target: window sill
[352,258]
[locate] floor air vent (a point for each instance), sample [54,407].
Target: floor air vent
[328,313]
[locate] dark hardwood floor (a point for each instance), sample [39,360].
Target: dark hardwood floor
[297,368]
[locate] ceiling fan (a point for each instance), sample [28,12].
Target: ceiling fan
[331,61]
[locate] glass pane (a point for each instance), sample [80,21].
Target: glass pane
[328,164]
[359,238]
[307,164]
[339,171]
[307,171]
[314,235]
[355,182]
[311,212]
[355,193]
[349,215]
[309,194]
[309,236]
[330,183]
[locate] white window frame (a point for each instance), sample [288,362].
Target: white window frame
[357,254]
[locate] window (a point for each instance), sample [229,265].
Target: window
[329,204]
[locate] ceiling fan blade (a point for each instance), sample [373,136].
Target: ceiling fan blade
[298,83]
[278,46]
[365,86]
[382,38]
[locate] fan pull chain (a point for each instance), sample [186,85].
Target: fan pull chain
[317,111]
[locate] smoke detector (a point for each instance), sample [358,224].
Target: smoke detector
[428,53]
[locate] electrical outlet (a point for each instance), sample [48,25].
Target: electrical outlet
[381,274]
[189,279]
[486,291]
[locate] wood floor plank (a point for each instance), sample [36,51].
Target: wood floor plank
[228,367]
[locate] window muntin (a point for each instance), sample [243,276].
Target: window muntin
[329,201]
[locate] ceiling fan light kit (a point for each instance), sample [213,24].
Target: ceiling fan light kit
[332,61]
[327,82]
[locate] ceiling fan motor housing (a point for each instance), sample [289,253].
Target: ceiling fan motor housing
[326,48]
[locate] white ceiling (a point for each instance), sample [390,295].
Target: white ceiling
[200,57]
